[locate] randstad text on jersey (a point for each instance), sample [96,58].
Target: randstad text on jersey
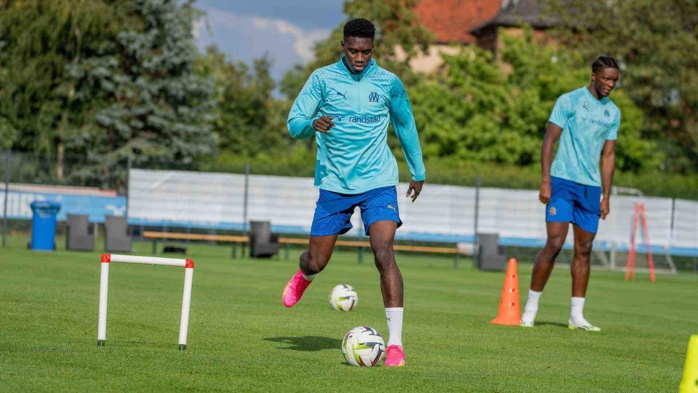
[354,156]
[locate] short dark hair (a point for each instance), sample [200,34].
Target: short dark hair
[602,62]
[359,27]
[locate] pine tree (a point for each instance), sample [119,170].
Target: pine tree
[153,105]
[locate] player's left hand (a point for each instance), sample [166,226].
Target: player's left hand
[415,186]
[605,208]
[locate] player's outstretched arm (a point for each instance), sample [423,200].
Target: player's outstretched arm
[402,120]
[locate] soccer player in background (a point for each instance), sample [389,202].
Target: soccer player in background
[575,188]
[347,107]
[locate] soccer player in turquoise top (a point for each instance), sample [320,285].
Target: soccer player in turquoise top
[575,187]
[347,107]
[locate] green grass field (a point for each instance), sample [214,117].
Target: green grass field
[242,339]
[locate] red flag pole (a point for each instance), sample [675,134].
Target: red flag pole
[630,265]
[647,240]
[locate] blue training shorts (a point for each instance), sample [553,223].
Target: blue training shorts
[333,210]
[572,202]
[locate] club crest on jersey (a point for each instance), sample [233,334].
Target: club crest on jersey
[586,105]
[373,97]
[606,113]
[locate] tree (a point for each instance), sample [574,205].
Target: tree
[481,109]
[656,43]
[37,40]
[249,121]
[8,133]
[152,106]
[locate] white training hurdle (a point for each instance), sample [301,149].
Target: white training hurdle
[104,289]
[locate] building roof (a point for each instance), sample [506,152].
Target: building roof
[453,20]
[514,13]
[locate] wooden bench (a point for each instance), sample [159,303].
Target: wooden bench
[363,245]
[360,245]
[234,239]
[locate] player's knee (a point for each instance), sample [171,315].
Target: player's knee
[554,245]
[384,256]
[583,249]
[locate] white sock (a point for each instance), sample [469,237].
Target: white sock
[393,316]
[577,314]
[308,278]
[531,308]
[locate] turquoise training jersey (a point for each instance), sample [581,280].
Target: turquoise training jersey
[354,156]
[587,123]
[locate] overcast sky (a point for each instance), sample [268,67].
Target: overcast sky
[284,30]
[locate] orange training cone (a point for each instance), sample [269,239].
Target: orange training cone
[509,308]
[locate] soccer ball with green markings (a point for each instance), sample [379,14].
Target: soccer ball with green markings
[363,346]
[343,298]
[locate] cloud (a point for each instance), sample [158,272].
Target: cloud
[246,37]
[303,41]
[199,25]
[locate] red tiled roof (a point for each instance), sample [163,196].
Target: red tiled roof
[452,20]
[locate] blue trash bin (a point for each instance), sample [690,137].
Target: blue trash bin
[44,225]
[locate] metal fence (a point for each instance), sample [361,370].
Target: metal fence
[444,213]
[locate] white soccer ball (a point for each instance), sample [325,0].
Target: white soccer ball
[343,298]
[363,346]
